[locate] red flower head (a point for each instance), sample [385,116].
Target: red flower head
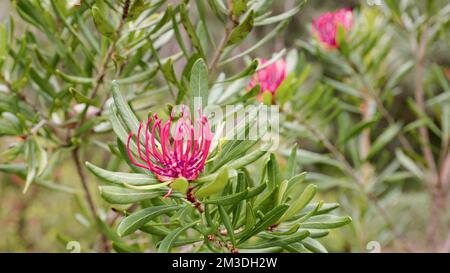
[270,77]
[182,155]
[326,25]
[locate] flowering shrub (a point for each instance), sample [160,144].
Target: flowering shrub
[186,126]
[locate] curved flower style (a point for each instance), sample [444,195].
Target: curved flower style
[270,77]
[184,155]
[326,25]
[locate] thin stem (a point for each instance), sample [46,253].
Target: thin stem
[434,182]
[420,100]
[88,195]
[83,180]
[365,143]
[99,79]
[219,51]
[233,22]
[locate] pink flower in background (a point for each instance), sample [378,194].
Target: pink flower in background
[184,155]
[270,77]
[326,25]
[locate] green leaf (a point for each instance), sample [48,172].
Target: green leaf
[169,72]
[184,17]
[56,186]
[248,95]
[250,218]
[242,30]
[238,7]
[211,177]
[394,8]
[164,19]
[249,70]
[278,241]
[180,184]
[301,202]
[101,20]
[445,121]
[219,8]
[121,177]
[80,98]
[267,201]
[169,240]
[119,195]
[124,109]
[216,186]
[356,130]
[267,98]
[3,42]
[314,245]
[42,82]
[30,155]
[255,191]
[326,222]
[118,128]
[107,231]
[248,158]
[322,209]
[281,191]
[148,187]
[30,13]
[198,85]
[233,149]
[133,222]
[121,247]
[293,184]
[386,137]
[136,9]
[229,199]
[400,73]
[291,84]
[293,229]
[74,79]
[155,230]
[297,248]
[227,223]
[291,164]
[139,77]
[281,17]
[342,87]
[269,219]
[266,38]
[341,39]
[311,213]
[273,172]
[410,165]
[41,157]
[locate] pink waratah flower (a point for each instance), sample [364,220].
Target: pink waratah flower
[182,155]
[270,77]
[326,25]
